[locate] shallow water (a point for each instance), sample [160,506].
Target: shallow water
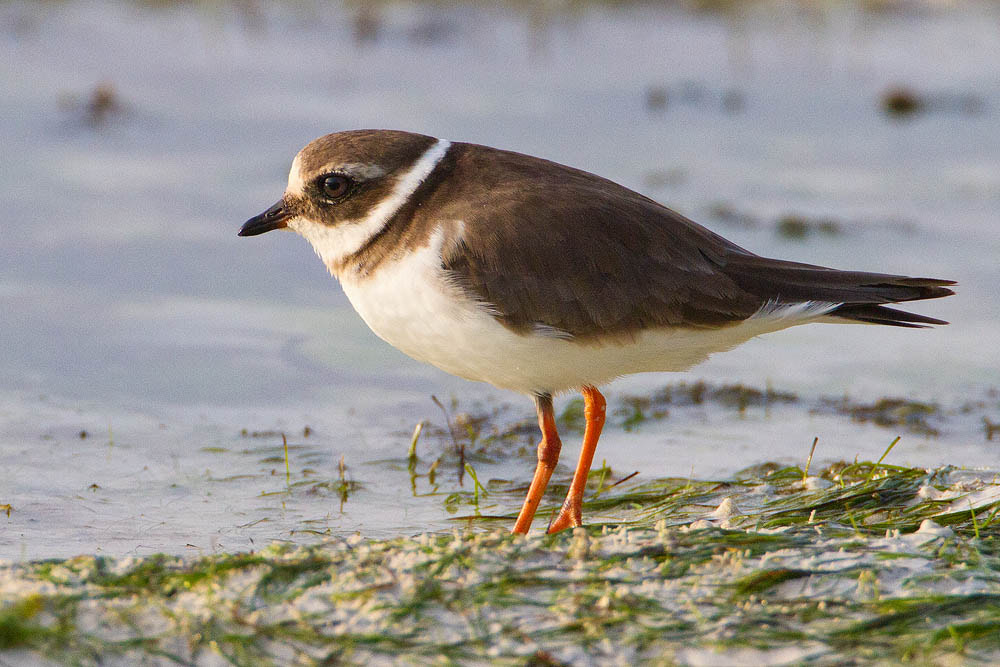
[134,313]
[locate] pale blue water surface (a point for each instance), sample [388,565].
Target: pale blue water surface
[132,311]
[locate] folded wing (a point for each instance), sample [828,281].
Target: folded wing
[572,252]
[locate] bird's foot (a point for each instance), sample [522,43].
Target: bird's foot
[570,516]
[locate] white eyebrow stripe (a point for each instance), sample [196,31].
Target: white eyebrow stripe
[363,171]
[296,186]
[336,243]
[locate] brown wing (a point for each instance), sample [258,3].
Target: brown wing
[545,244]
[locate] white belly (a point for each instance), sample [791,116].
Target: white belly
[409,304]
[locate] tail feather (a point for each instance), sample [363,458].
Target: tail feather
[860,294]
[883,315]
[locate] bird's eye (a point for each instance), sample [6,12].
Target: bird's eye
[335,186]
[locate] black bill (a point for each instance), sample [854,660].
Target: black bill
[273,218]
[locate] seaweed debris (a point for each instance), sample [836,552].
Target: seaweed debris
[635,410]
[915,416]
[862,562]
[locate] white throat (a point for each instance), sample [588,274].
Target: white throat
[336,243]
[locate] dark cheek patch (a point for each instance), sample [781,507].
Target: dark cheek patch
[357,206]
[299,207]
[308,209]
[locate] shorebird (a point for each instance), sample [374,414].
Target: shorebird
[541,278]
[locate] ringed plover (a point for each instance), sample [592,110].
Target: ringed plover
[540,278]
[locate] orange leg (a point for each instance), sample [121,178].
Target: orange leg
[594,410]
[548,456]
